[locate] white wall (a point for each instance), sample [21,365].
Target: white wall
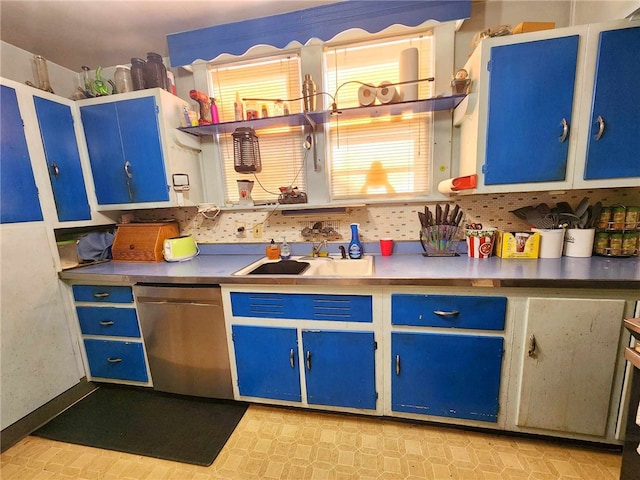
[17,64]
[591,11]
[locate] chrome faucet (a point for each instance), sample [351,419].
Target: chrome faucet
[317,248]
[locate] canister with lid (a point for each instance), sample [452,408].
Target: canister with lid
[137,73]
[155,73]
[122,79]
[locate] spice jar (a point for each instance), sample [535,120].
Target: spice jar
[629,243]
[601,243]
[605,218]
[122,79]
[155,73]
[137,73]
[617,217]
[631,218]
[615,244]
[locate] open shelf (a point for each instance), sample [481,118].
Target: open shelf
[298,119]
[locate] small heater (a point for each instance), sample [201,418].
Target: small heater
[246,151]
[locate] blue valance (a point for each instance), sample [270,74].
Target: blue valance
[323,22]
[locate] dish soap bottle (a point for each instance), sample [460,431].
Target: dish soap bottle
[285,250]
[355,247]
[273,251]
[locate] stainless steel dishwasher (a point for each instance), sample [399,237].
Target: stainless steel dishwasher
[185,339]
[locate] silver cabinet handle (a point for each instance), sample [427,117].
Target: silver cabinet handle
[114,360]
[127,169]
[107,323]
[101,294]
[532,346]
[442,313]
[55,170]
[308,360]
[565,130]
[397,364]
[600,121]
[292,358]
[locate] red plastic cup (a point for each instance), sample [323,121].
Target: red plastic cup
[386,246]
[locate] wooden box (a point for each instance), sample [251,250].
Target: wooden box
[142,242]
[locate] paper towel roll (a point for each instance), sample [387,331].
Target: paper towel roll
[387,93]
[409,69]
[446,186]
[366,95]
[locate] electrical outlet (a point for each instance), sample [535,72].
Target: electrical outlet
[257,230]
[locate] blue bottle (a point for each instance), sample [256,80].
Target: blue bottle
[355,247]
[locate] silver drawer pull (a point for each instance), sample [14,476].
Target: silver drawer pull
[397,364]
[442,313]
[101,295]
[565,130]
[308,360]
[107,323]
[600,121]
[114,360]
[292,358]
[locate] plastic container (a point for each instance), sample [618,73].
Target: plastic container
[480,242]
[355,247]
[137,73]
[285,250]
[155,73]
[273,250]
[122,79]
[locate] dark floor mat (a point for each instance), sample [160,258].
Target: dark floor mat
[144,422]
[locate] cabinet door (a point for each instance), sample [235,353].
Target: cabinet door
[125,151]
[18,192]
[614,140]
[114,359]
[63,160]
[340,368]
[446,375]
[102,132]
[531,88]
[567,378]
[267,362]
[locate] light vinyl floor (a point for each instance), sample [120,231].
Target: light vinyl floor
[280,443]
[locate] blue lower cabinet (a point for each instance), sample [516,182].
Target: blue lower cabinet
[340,368]
[267,362]
[117,360]
[446,375]
[117,322]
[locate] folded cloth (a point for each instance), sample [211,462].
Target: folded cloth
[95,246]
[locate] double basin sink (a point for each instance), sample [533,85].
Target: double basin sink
[311,266]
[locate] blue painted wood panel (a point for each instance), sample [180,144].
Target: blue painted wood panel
[340,368]
[449,311]
[63,160]
[446,375]
[531,90]
[118,360]
[343,308]
[112,321]
[267,362]
[102,293]
[616,99]
[19,200]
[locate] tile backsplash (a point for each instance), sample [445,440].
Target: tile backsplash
[397,221]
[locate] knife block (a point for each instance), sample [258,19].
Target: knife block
[142,242]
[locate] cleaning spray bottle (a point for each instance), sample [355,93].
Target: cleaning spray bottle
[285,250]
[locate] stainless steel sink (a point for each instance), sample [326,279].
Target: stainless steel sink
[318,267]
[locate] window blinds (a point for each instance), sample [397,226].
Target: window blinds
[381,156]
[263,81]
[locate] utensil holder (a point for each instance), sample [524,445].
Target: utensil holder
[439,241]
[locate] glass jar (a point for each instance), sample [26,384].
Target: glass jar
[137,73]
[122,79]
[155,73]
[43,73]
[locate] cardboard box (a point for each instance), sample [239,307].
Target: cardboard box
[517,244]
[524,27]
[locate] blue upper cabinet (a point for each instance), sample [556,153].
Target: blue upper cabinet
[614,136]
[63,160]
[125,151]
[531,87]
[18,191]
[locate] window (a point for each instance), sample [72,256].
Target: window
[281,149]
[381,156]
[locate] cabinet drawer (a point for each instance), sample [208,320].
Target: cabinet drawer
[449,311]
[118,322]
[118,360]
[339,308]
[102,293]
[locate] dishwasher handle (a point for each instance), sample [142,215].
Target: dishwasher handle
[148,301]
